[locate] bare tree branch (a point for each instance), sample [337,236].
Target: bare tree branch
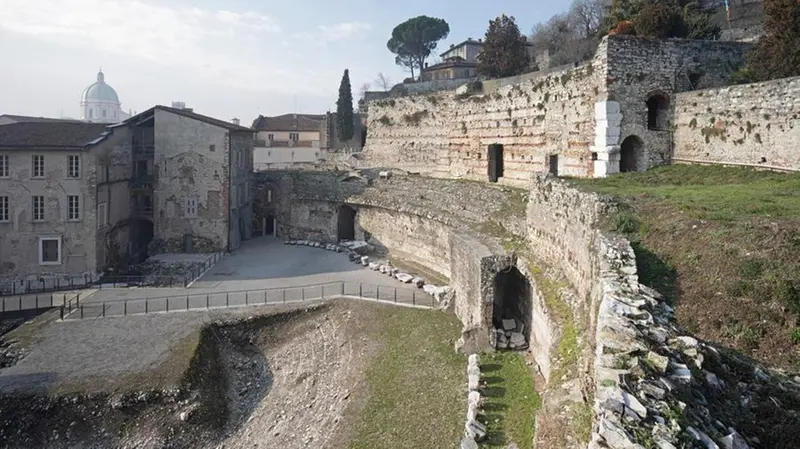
[383,82]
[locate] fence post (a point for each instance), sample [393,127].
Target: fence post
[227,299]
[342,288]
[377,293]
[62,313]
[78,299]
[187,302]
[207,301]
[265,296]
[146,303]
[395,294]
[37,302]
[303,292]
[283,293]
[247,298]
[360,290]
[104,310]
[322,290]
[414,297]
[81,312]
[167,303]
[125,308]
[20,303]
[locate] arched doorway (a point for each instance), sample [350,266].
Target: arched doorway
[512,309]
[631,153]
[347,223]
[657,112]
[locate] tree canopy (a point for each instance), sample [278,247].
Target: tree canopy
[413,40]
[777,54]
[661,19]
[344,109]
[504,49]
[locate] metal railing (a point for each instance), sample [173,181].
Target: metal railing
[10,304]
[242,298]
[15,287]
[155,281]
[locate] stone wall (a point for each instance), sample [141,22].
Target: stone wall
[752,124]
[571,122]
[449,135]
[639,68]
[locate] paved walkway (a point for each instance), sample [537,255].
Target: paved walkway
[261,264]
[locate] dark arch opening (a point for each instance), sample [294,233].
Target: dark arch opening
[512,309]
[657,112]
[363,137]
[631,154]
[141,235]
[347,223]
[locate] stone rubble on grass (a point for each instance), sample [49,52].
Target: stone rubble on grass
[654,386]
[373,266]
[510,335]
[474,430]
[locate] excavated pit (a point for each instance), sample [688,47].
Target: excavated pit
[280,380]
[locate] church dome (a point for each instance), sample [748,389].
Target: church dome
[99,91]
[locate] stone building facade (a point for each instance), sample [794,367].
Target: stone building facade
[49,219]
[189,183]
[613,113]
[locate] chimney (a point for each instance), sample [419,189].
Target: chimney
[235,121]
[188,109]
[426,65]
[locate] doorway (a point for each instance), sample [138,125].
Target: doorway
[512,309]
[495,162]
[552,164]
[269,225]
[347,223]
[630,154]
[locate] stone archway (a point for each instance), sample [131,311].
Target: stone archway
[512,309]
[346,229]
[631,154]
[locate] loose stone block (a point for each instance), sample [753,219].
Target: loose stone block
[473,382]
[404,277]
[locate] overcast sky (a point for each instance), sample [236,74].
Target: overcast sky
[231,58]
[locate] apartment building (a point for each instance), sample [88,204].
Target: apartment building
[49,214]
[77,198]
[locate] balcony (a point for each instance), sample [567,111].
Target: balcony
[142,181]
[144,150]
[142,211]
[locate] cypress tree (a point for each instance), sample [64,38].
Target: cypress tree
[344,109]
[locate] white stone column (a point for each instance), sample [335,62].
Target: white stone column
[608,118]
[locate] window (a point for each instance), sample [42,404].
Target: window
[212,147]
[49,250]
[38,208]
[38,166]
[102,215]
[73,166]
[271,137]
[269,196]
[4,212]
[294,136]
[191,207]
[3,166]
[73,207]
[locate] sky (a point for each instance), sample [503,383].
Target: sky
[224,58]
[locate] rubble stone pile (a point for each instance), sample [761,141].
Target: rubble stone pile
[511,335]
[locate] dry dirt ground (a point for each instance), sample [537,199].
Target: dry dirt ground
[258,378]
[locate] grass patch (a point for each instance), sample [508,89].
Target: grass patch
[416,383]
[721,243]
[511,401]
